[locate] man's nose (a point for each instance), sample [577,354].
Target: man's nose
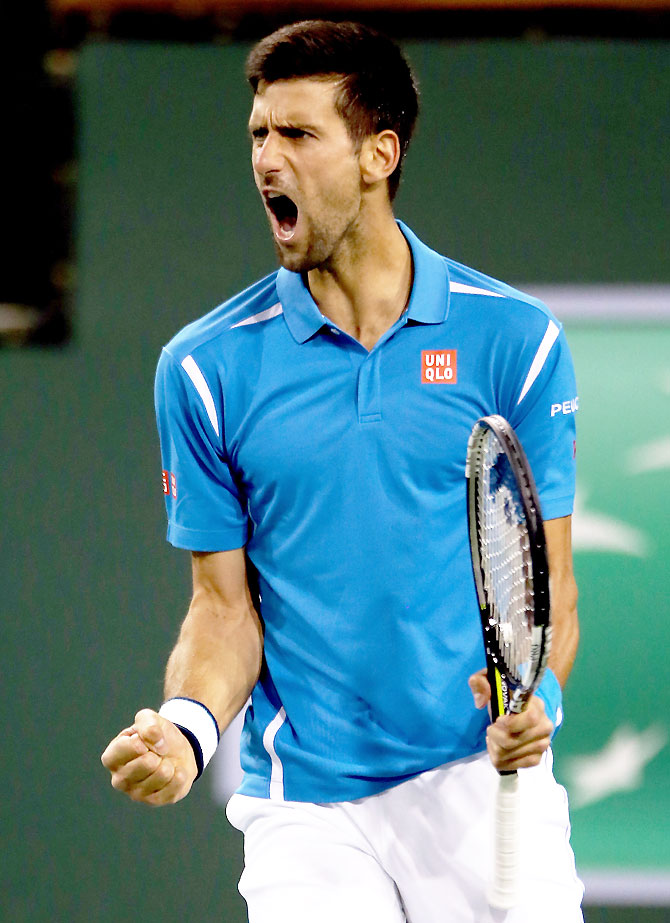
[268,156]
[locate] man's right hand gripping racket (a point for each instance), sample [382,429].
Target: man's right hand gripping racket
[511,573]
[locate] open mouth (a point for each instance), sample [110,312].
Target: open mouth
[284,213]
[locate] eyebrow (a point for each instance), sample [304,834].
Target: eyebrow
[256,128]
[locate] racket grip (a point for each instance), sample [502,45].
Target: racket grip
[504,888]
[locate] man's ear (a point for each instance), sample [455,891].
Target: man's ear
[379,156]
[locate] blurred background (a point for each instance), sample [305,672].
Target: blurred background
[541,157]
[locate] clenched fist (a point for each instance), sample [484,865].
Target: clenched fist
[151,761]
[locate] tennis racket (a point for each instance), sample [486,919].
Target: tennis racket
[511,573]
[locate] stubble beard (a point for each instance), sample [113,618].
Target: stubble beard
[319,251]
[322,244]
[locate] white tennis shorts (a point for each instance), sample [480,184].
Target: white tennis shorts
[420,852]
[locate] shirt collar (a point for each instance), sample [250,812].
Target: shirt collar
[301,312]
[428,301]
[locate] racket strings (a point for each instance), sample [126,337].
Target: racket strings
[506,559]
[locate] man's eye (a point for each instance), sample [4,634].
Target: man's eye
[259,135]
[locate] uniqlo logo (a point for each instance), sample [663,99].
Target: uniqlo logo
[169,483]
[438,367]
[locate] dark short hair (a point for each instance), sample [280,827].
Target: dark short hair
[378,90]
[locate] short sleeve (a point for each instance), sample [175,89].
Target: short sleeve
[205,509]
[544,420]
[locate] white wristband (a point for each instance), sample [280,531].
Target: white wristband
[198,720]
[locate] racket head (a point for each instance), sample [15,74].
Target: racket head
[509,561]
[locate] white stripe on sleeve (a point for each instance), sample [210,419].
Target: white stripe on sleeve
[543,351]
[277,773]
[274,311]
[191,368]
[464,289]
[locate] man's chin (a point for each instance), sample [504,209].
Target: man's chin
[292,260]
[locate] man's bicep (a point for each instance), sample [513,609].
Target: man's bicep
[221,576]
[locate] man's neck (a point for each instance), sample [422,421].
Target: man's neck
[366,287]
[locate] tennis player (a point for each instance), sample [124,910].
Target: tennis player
[314,432]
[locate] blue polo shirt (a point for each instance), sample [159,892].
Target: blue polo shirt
[342,472]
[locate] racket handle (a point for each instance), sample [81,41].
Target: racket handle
[504,888]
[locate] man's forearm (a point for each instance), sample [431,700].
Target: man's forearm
[563,590]
[216,661]
[565,636]
[217,658]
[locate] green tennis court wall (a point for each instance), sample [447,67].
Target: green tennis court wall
[541,162]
